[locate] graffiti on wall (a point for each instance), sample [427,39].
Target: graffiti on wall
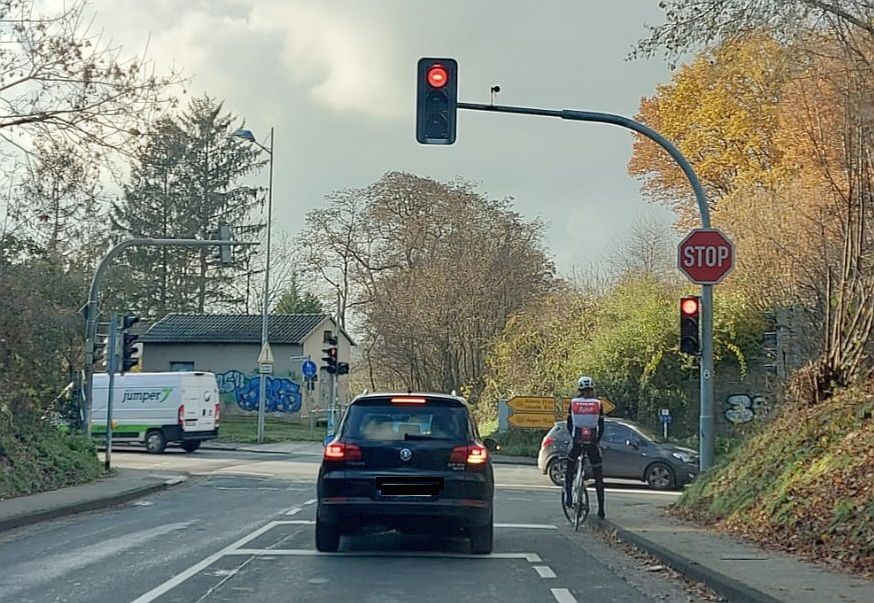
[283,394]
[742,408]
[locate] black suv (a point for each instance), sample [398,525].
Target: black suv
[409,462]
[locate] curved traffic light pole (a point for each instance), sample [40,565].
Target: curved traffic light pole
[91,309]
[705,425]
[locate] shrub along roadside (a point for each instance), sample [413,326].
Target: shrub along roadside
[36,457]
[804,484]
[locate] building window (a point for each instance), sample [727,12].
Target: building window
[181,366]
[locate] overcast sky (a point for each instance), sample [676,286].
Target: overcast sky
[336,78]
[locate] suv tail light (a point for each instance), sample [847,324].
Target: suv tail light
[339,451]
[180,415]
[547,442]
[469,455]
[217,413]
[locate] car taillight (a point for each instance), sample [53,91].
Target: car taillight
[470,455]
[180,416]
[342,452]
[547,442]
[217,413]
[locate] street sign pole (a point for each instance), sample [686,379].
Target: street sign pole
[706,439]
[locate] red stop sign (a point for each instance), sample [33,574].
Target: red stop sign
[706,256]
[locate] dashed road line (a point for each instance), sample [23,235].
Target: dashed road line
[292,511]
[526,526]
[545,571]
[310,501]
[563,595]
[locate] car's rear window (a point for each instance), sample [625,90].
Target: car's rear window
[386,421]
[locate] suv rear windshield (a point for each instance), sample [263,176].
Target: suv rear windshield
[384,421]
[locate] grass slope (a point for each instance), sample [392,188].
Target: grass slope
[804,484]
[36,458]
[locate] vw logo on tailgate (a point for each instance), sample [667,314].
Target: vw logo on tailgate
[406,454]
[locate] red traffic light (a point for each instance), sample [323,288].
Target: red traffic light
[689,306]
[437,76]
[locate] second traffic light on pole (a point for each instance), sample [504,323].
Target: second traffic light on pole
[330,355]
[690,311]
[436,101]
[128,359]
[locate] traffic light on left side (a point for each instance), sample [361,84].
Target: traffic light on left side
[436,101]
[128,359]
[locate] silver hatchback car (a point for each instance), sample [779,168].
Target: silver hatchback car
[630,452]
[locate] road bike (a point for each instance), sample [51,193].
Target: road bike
[577,513]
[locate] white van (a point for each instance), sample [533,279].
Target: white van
[158,408]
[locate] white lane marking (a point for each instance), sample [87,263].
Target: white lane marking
[612,490]
[298,522]
[292,511]
[267,488]
[530,557]
[545,571]
[563,595]
[230,488]
[202,565]
[232,471]
[529,526]
[310,501]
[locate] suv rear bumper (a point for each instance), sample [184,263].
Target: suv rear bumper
[437,514]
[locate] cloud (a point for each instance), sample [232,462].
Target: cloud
[344,59]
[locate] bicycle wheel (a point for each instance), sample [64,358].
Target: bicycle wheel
[581,503]
[570,512]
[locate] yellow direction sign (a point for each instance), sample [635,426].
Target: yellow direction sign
[532,404]
[608,405]
[542,420]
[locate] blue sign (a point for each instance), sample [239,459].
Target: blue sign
[666,418]
[309,369]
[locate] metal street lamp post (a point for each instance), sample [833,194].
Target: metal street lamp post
[262,377]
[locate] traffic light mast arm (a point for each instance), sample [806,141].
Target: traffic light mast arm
[90,309]
[616,120]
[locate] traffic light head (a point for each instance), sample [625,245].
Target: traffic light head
[436,101]
[690,310]
[128,321]
[330,359]
[128,361]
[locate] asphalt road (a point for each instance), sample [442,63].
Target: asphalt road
[242,530]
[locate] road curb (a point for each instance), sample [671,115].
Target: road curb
[90,505]
[731,589]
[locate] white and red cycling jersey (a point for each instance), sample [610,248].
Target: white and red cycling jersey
[585,420]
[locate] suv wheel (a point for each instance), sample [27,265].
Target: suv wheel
[327,537]
[659,477]
[481,539]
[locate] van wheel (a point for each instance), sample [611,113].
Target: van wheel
[191,445]
[155,442]
[481,539]
[327,537]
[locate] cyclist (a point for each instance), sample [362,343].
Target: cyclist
[585,422]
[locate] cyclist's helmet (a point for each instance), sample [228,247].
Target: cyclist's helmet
[585,383]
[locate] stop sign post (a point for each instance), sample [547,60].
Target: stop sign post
[706,256]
